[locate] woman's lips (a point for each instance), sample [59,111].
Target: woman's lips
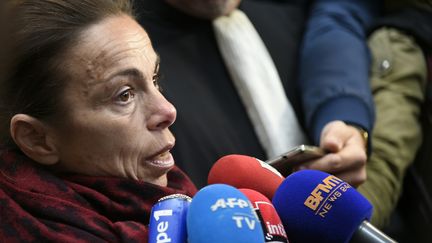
[164,160]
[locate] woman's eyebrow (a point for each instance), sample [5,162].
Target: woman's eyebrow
[157,63]
[134,72]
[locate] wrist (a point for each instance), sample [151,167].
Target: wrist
[363,133]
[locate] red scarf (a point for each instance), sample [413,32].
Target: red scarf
[38,206]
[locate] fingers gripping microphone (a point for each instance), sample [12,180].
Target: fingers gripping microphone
[270,222]
[221,213]
[317,207]
[243,171]
[168,219]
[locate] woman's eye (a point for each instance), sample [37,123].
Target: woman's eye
[155,79]
[156,83]
[126,95]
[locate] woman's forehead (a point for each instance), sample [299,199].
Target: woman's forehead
[117,42]
[114,37]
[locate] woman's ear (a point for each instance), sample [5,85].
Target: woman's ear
[34,139]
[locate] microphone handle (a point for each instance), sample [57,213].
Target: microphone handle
[367,233]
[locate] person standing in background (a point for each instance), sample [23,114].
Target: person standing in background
[401,44]
[217,113]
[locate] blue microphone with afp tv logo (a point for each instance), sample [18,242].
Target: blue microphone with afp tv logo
[168,219]
[221,213]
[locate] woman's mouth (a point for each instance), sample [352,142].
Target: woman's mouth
[163,160]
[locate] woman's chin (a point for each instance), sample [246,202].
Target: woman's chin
[161,181]
[157,175]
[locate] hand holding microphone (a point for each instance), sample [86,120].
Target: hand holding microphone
[347,153]
[314,206]
[342,152]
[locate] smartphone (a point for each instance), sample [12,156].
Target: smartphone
[285,162]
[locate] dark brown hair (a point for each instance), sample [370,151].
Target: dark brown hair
[4,38]
[43,30]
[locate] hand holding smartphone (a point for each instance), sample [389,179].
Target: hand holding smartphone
[285,162]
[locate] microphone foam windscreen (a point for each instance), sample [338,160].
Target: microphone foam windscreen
[243,171]
[168,219]
[221,213]
[271,223]
[318,207]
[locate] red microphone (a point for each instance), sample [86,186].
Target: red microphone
[243,171]
[271,223]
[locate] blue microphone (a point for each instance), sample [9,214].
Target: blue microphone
[221,213]
[168,219]
[318,207]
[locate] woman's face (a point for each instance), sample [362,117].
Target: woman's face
[117,120]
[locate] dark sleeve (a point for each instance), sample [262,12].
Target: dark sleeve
[334,65]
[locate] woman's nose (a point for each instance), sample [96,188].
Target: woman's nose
[163,115]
